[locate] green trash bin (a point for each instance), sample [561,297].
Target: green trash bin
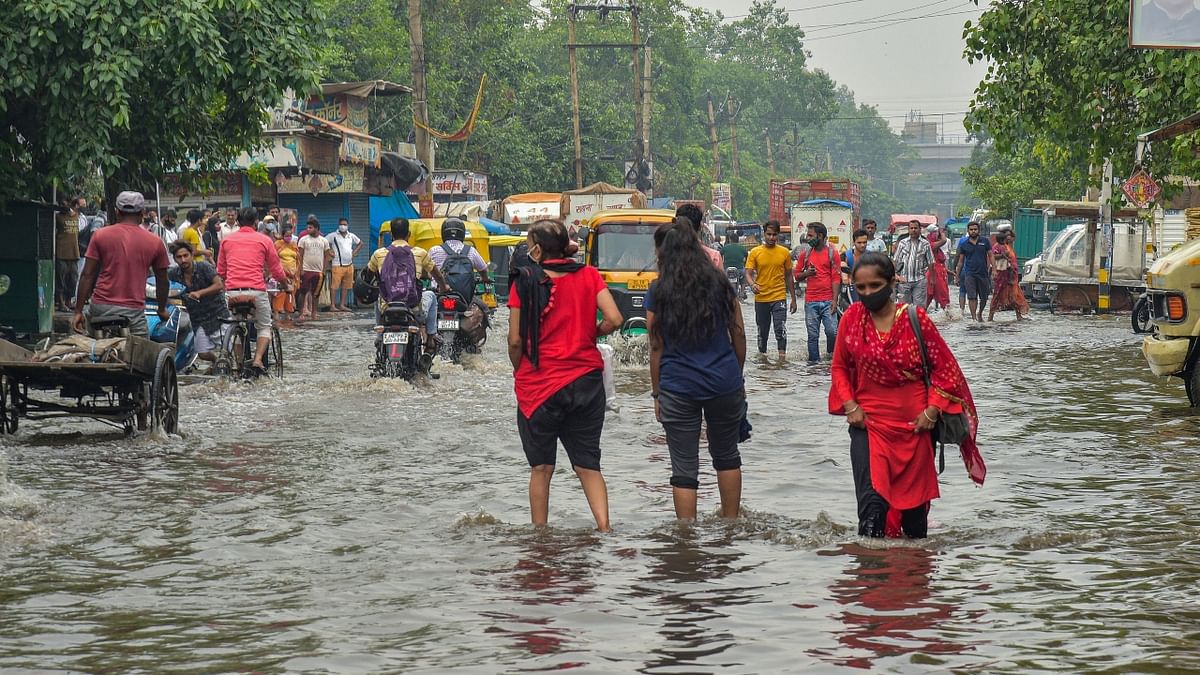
[27,267]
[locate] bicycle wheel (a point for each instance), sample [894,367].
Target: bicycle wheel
[236,347]
[275,353]
[1141,317]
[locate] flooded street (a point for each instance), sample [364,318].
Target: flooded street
[335,523]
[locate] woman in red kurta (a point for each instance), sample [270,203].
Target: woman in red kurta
[879,386]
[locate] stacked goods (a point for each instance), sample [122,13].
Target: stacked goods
[1193,224]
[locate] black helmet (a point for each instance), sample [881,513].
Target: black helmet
[454,229]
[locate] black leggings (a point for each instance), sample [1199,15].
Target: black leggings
[766,314]
[872,509]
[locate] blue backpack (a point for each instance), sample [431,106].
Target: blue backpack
[398,277]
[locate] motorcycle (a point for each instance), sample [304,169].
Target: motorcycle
[462,326]
[177,329]
[398,351]
[738,279]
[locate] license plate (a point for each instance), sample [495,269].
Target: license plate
[638,301]
[395,338]
[638,284]
[448,325]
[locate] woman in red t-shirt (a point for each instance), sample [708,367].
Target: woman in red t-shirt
[559,382]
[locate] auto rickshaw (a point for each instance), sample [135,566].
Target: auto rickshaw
[1173,296]
[620,244]
[427,234]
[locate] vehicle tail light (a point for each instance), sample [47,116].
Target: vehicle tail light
[449,304]
[1176,310]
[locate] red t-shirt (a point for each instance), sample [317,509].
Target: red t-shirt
[126,254]
[829,267]
[568,340]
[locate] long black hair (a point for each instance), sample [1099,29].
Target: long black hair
[692,299]
[887,268]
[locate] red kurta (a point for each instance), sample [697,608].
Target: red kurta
[883,373]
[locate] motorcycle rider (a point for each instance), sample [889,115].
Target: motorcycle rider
[733,255]
[448,258]
[423,269]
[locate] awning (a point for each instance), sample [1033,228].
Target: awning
[365,88]
[357,147]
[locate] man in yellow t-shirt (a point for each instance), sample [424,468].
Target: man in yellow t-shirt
[769,274]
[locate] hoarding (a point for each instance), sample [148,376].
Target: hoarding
[1164,24]
[722,196]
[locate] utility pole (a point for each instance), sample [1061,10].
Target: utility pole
[712,136]
[416,45]
[647,91]
[796,150]
[573,10]
[733,115]
[638,86]
[571,15]
[770,157]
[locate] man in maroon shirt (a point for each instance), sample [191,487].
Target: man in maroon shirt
[245,255]
[113,283]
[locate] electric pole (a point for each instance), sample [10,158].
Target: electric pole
[416,43]
[640,135]
[571,15]
[770,157]
[712,136]
[733,115]
[647,91]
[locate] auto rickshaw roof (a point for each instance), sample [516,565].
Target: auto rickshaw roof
[631,215]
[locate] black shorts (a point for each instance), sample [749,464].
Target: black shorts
[977,286]
[574,415]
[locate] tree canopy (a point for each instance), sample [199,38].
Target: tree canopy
[524,138]
[1063,85]
[136,88]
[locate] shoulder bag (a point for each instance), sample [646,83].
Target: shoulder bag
[949,428]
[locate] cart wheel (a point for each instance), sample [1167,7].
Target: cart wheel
[1141,318]
[164,394]
[9,414]
[275,353]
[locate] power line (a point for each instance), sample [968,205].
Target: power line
[802,9]
[873,19]
[894,23]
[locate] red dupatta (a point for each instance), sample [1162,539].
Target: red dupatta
[900,363]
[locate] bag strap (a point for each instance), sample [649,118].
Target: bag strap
[916,326]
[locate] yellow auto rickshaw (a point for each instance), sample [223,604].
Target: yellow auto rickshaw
[620,244]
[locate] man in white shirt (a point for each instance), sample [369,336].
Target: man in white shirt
[875,242]
[230,225]
[345,245]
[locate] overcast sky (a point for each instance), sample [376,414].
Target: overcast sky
[888,58]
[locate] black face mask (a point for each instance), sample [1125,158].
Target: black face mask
[877,300]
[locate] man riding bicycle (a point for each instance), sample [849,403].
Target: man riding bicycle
[244,256]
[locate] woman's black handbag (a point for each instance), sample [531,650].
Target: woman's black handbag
[949,428]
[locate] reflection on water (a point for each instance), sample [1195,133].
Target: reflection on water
[337,523]
[890,609]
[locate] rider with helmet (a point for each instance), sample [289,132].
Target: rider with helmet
[458,262]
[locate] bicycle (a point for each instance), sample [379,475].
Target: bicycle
[235,356]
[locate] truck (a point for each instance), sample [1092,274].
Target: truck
[837,216]
[787,194]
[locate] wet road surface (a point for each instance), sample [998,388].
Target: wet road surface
[334,523]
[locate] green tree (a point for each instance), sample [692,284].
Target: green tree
[1062,82]
[1000,182]
[136,88]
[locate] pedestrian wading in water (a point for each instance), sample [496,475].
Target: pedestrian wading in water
[697,352]
[558,371]
[879,385]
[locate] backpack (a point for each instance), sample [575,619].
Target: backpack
[832,259]
[459,272]
[398,277]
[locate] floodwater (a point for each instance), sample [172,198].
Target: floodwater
[332,523]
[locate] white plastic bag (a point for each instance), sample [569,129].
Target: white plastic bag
[610,382]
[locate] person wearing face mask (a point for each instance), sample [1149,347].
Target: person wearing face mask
[284,302]
[557,370]
[345,246]
[822,269]
[877,384]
